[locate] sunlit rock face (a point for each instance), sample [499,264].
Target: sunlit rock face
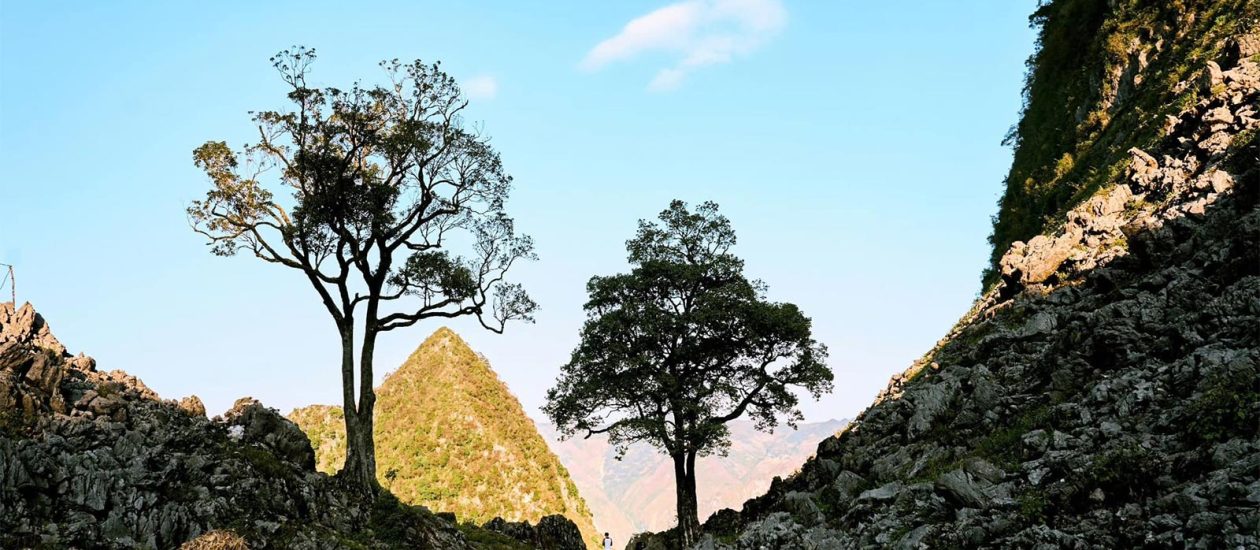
[1103,392]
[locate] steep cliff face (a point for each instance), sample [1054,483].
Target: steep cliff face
[1105,390]
[1106,77]
[451,436]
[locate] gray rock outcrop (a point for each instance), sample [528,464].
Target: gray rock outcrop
[1104,395]
[92,459]
[553,532]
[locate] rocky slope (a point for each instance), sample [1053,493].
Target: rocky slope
[92,459]
[1105,391]
[451,436]
[636,493]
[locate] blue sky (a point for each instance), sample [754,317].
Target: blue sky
[853,144]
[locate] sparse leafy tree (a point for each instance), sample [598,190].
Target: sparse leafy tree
[371,193]
[680,346]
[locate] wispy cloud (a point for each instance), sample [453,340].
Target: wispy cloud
[481,87]
[697,32]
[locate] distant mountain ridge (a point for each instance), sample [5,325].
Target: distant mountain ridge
[636,493]
[450,436]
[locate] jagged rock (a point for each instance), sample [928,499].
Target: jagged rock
[1127,406]
[267,428]
[884,492]
[1037,260]
[193,406]
[81,363]
[1211,77]
[216,540]
[1219,118]
[803,508]
[25,326]
[915,538]
[94,459]
[1243,46]
[929,405]
[726,521]
[554,532]
[779,530]
[970,489]
[1102,396]
[519,530]
[847,485]
[1143,168]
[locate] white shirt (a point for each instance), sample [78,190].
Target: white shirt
[607,543]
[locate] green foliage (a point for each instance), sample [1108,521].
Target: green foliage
[325,427]
[1226,407]
[365,191]
[264,461]
[365,175]
[1078,122]
[1245,158]
[1125,474]
[450,436]
[683,344]
[1002,446]
[1033,506]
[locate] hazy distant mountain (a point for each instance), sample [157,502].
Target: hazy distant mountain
[457,441]
[636,493]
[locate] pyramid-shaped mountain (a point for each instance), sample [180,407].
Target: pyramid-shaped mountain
[450,436]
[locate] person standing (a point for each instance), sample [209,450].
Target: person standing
[607,542]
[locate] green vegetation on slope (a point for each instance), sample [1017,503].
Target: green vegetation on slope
[452,437]
[1083,109]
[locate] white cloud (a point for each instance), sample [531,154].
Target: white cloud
[481,87]
[697,32]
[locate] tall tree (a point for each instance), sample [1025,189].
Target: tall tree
[681,345]
[366,192]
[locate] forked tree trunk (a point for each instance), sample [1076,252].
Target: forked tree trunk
[360,467]
[685,492]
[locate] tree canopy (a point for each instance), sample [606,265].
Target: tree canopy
[389,205]
[681,345]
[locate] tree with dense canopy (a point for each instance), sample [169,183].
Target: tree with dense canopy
[380,183]
[681,345]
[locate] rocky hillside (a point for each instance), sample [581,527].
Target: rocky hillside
[451,436]
[92,459]
[1105,391]
[1107,76]
[636,493]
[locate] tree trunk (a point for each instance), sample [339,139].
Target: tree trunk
[685,492]
[359,470]
[366,411]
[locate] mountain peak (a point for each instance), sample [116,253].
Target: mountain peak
[442,339]
[444,335]
[451,436]
[444,360]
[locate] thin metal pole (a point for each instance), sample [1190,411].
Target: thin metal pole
[12,278]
